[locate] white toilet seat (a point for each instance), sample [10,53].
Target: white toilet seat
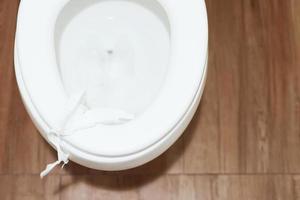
[44,95]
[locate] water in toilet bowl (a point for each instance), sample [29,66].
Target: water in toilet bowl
[120,60]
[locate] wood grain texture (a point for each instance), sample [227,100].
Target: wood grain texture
[243,143]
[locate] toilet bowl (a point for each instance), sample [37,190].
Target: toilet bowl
[111,84]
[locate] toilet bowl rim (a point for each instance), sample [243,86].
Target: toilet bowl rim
[183,110]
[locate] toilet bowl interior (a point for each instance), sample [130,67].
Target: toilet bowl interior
[116,50]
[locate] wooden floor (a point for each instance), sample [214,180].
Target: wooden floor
[243,143]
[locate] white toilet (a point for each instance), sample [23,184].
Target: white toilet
[111,84]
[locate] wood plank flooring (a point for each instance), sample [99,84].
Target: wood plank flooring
[243,143]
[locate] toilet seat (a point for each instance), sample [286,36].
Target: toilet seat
[38,74]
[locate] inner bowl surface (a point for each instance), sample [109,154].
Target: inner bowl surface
[115,50]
